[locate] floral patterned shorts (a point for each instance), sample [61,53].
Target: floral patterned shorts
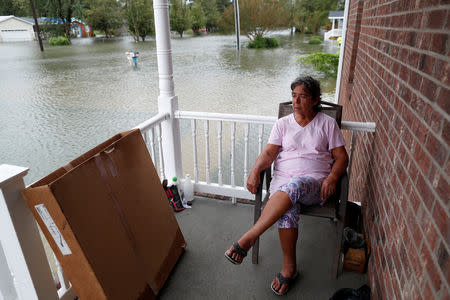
[301,190]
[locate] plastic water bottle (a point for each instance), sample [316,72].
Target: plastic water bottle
[188,188]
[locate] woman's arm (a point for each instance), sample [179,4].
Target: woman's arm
[340,164]
[264,160]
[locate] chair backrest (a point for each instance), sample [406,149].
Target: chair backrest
[331,109]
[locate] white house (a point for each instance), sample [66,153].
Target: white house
[337,20]
[14,29]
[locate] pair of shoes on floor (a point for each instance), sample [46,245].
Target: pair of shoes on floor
[237,249]
[283,280]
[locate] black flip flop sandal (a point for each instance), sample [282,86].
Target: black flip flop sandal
[237,249]
[283,280]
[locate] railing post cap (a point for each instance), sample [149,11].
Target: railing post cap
[10,172]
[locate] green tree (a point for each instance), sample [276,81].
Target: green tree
[312,15]
[180,19]
[198,18]
[64,10]
[139,15]
[257,17]
[104,15]
[212,14]
[18,8]
[222,5]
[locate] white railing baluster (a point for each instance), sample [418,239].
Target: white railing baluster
[151,133]
[260,136]
[208,179]
[246,131]
[161,158]
[61,277]
[219,139]
[144,136]
[194,143]
[233,139]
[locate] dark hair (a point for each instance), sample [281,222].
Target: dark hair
[311,85]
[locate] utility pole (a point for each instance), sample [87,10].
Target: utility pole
[38,32]
[237,25]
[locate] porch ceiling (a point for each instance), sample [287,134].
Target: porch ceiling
[203,272]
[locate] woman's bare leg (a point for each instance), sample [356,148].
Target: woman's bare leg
[276,206]
[288,240]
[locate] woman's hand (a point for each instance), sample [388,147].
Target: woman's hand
[253,181]
[328,187]
[263,161]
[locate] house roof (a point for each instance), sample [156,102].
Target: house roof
[4,18]
[336,14]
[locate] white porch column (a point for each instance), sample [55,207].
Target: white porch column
[167,101]
[22,246]
[341,52]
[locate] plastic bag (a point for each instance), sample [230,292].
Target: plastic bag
[173,196]
[352,239]
[363,293]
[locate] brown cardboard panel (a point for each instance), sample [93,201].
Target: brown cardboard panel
[87,205]
[76,265]
[113,213]
[137,171]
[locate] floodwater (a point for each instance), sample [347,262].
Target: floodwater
[58,104]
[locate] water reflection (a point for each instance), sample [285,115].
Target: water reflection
[58,104]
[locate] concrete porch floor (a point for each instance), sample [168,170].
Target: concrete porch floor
[203,272]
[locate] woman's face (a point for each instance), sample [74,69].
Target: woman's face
[302,100]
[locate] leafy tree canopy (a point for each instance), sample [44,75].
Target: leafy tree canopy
[257,17]
[212,13]
[140,18]
[180,19]
[64,10]
[104,15]
[312,15]
[198,18]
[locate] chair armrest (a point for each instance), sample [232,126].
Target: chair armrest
[267,173]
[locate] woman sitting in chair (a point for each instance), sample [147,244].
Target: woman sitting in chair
[311,159]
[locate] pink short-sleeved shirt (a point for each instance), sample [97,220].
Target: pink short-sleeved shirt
[305,151]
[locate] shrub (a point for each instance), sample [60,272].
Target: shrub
[263,43]
[315,40]
[59,41]
[51,30]
[308,31]
[324,62]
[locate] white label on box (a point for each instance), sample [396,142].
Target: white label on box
[53,229]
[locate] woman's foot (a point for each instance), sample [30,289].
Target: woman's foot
[282,282]
[238,250]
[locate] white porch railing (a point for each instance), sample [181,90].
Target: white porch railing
[333,33]
[234,120]
[152,136]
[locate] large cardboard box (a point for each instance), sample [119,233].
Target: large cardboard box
[108,221]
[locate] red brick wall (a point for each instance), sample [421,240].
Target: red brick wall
[396,74]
